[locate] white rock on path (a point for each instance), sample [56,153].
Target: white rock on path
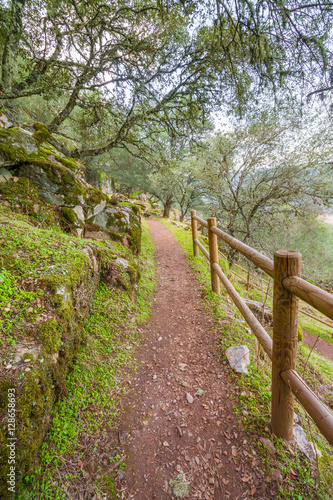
[189,398]
[239,358]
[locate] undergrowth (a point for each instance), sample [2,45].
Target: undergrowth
[78,452]
[302,480]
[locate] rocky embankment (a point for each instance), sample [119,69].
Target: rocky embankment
[59,237]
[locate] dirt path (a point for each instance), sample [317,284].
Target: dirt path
[322,346]
[163,432]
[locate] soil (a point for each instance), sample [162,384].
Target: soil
[322,346]
[165,435]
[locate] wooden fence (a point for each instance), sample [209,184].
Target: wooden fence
[288,287]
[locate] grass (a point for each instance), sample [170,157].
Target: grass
[77,451]
[29,255]
[301,479]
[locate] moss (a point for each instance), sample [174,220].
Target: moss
[300,333]
[94,196]
[42,134]
[134,273]
[115,236]
[135,231]
[69,186]
[134,207]
[68,163]
[6,132]
[68,214]
[125,285]
[50,334]
[34,400]
[23,196]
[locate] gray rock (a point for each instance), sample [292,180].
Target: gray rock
[257,309]
[5,122]
[22,349]
[97,209]
[105,186]
[5,175]
[141,197]
[268,444]
[53,158]
[122,262]
[239,358]
[304,444]
[22,147]
[79,212]
[62,291]
[25,131]
[46,187]
[92,259]
[189,398]
[101,219]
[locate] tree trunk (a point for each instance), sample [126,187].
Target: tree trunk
[11,44]
[167,206]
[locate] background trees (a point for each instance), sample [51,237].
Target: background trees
[263,175]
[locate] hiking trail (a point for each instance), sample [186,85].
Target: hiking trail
[177,422]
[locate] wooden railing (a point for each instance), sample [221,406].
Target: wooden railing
[288,287]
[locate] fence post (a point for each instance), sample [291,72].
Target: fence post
[285,333]
[248,281]
[194,234]
[213,254]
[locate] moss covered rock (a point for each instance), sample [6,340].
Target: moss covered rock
[123,219]
[50,278]
[17,146]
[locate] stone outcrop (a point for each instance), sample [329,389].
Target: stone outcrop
[60,183]
[56,246]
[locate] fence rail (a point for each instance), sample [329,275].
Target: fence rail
[288,287]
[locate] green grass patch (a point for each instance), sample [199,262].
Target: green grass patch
[82,421]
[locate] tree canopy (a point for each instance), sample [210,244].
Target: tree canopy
[126,71]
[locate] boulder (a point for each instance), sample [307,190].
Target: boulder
[16,146]
[99,180]
[121,219]
[141,197]
[175,214]
[5,122]
[305,446]
[144,206]
[96,209]
[257,309]
[5,175]
[239,358]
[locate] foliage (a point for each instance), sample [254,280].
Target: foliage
[116,72]
[263,175]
